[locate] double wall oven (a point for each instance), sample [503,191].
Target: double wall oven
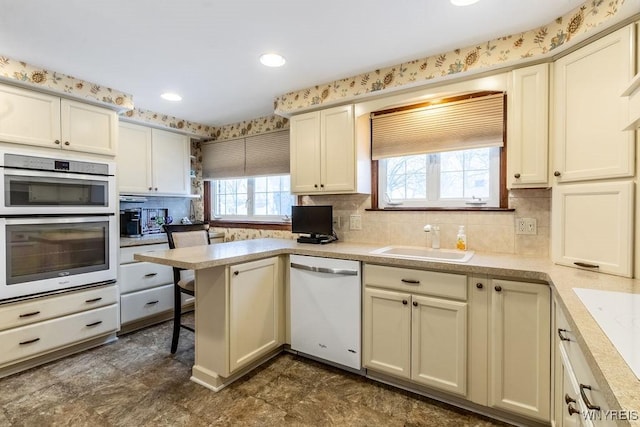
[58,225]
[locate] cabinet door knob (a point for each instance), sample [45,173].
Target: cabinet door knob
[557,173]
[404,302]
[321,185]
[150,188]
[516,176]
[235,273]
[562,337]
[479,285]
[572,410]
[57,142]
[498,288]
[568,399]
[155,189]
[67,143]
[315,185]
[415,303]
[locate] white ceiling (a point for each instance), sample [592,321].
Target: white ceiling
[207,50]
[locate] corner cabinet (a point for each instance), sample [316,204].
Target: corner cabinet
[415,326]
[33,118]
[325,155]
[589,113]
[153,161]
[528,127]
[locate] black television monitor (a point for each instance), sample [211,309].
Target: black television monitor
[317,221]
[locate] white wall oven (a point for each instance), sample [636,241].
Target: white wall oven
[58,226]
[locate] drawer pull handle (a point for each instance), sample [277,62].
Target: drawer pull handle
[30,341]
[410,281]
[33,313]
[94,323]
[562,337]
[89,301]
[150,274]
[152,302]
[586,265]
[589,405]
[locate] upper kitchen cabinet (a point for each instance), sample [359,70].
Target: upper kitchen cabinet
[528,127]
[28,117]
[590,115]
[325,153]
[153,161]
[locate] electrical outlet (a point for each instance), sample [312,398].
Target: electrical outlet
[526,226]
[355,222]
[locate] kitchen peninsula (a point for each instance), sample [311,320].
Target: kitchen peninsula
[222,355]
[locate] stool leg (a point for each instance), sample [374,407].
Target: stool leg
[177,312]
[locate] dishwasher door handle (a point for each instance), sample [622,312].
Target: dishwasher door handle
[340,271]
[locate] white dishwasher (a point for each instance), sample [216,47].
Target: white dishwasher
[325,308]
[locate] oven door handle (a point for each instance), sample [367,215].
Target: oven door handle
[30,173]
[55,219]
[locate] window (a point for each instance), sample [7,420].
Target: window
[447,179]
[444,153]
[261,198]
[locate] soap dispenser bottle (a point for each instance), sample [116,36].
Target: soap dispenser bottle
[461,240]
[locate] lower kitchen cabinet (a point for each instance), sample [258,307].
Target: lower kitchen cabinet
[146,289]
[486,340]
[520,348]
[32,328]
[254,311]
[411,332]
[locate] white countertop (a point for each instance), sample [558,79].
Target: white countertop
[619,384]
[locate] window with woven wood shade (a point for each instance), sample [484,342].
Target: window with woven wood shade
[458,125]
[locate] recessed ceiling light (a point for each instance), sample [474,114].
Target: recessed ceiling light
[463,2]
[171,96]
[272,60]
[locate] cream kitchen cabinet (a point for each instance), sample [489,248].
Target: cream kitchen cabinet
[33,118]
[592,226]
[255,294]
[579,400]
[415,326]
[589,113]
[325,153]
[146,289]
[153,161]
[520,348]
[33,328]
[528,127]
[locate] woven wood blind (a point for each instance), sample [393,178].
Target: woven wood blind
[459,125]
[264,154]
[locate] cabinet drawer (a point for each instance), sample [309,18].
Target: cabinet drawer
[417,281]
[143,275]
[126,254]
[149,302]
[37,310]
[585,380]
[31,340]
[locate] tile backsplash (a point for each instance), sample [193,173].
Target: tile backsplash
[486,231]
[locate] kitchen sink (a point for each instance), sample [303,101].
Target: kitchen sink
[427,254]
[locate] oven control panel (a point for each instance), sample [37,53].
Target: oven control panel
[54,165]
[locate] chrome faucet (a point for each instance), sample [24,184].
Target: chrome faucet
[435,235]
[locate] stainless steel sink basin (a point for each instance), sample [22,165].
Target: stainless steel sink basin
[427,254]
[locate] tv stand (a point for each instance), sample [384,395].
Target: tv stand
[315,239]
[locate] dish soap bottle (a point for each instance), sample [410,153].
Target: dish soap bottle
[461,240]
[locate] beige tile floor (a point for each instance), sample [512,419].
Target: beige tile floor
[136,382]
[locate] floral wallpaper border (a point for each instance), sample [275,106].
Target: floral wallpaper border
[171,122]
[29,75]
[252,127]
[524,46]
